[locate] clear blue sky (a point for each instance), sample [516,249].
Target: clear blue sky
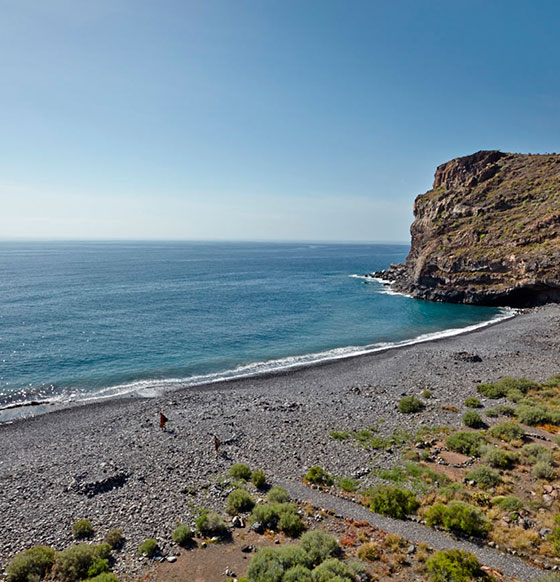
[259,119]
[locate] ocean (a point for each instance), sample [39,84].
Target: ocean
[83,320]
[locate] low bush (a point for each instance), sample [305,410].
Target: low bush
[534,453]
[533,414]
[266,515]
[291,524]
[369,552]
[182,535]
[297,573]
[472,419]
[506,387]
[258,478]
[501,410]
[454,566]
[240,471]
[278,495]
[319,546]
[466,443]
[210,524]
[543,470]
[239,501]
[148,548]
[34,562]
[332,570]
[473,402]
[392,501]
[347,484]
[458,517]
[104,577]
[507,431]
[114,538]
[410,404]
[510,503]
[81,561]
[318,476]
[82,529]
[426,394]
[270,564]
[485,477]
[498,458]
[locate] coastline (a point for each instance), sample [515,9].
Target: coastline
[162,387]
[278,421]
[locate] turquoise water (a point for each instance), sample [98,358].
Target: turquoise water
[105,318]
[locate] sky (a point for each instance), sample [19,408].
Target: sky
[259,119]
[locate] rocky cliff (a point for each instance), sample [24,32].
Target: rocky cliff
[487,233]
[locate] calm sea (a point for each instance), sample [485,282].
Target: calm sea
[87,319]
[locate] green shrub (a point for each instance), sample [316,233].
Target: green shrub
[278,495]
[506,387]
[103,550]
[291,524]
[82,529]
[319,546]
[332,569]
[458,517]
[114,538]
[498,458]
[535,414]
[80,561]
[510,503]
[501,410]
[239,501]
[182,535]
[393,501]
[240,471]
[347,484]
[506,431]
[454,566]
[34,562]
[543,470]
[148,547]
[534,453]
[410,404]
[473,402]
[270,564]
[369,552]
[318,476]
[258,478]
[104,577]
[485,477]
[266,515]
[472,419]
[297,573]
[210,524]
[466,443]
[426,393]
[548,577]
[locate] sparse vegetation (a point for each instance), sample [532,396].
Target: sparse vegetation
[458,517]
[239,501]
[410,404]
[278,495]
[258,478]
[319,546]
[182,535]
[240,471]
[392,501]
[82,529]
[454,566]
[148,548]
[318,476]
[472,419]
[211,524]
[507,431]
[510,503]
[369,552]
[499,458]
[81,561]
[543,470]
[485,477]
[30,564]
[114,538]
[473,402]
[466,443]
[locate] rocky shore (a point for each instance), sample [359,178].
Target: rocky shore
[110,462]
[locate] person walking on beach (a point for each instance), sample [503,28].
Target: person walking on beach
[217,443]
[162,420]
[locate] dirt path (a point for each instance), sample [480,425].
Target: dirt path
[415,532]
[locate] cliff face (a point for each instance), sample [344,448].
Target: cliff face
[487,233]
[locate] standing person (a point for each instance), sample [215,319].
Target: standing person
[217,443]
[162,420]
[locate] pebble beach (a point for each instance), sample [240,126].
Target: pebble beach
[111,463]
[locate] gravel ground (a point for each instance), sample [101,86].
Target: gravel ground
[415,532]
[110,462]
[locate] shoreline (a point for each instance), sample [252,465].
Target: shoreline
[17,411]
[278,422]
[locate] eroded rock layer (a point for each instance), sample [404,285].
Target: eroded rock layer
[487,233]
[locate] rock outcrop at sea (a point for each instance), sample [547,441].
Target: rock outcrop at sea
[487,233]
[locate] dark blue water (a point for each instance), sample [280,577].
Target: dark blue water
[86,318]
